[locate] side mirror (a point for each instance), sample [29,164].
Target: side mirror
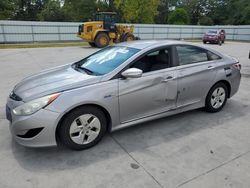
[132,73]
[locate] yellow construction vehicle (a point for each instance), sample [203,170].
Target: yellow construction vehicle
[103,29]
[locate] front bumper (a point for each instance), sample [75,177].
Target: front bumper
[84,37]
[36,130]
[207,39]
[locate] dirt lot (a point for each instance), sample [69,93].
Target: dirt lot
[193,149]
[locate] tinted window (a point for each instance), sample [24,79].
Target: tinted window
[212,32]
[190,54]
[153,61]
[106,60]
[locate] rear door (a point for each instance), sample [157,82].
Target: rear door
[195,74]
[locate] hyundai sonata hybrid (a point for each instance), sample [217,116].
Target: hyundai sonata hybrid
[116,87]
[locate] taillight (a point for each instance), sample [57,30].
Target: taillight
[237,66]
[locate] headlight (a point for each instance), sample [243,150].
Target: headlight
[35,105]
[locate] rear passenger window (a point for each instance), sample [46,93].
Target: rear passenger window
[190,54]
[213,56]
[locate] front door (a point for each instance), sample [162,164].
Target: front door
[153,93]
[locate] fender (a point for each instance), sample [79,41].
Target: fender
[97,32]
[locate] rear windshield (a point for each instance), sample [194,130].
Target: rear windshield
[106,60]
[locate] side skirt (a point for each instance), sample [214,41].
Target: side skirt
[157,116]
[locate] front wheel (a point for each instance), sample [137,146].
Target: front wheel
[83,128]
[216,98]
[102,40]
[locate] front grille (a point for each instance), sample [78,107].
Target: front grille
[15,97]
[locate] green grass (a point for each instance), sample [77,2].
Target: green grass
[43,45]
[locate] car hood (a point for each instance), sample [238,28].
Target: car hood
[51,81]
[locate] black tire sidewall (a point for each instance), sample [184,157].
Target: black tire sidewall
[66,123]
[208,105]
[92,44]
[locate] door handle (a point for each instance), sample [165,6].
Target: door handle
[210,67]
[169,78]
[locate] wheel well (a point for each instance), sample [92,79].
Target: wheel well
[99,32]
[106,113]
[227,84]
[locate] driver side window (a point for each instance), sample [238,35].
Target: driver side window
[153,61]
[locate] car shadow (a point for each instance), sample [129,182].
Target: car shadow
[135,138]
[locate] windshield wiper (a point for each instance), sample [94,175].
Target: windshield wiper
[86,70]
[79,68]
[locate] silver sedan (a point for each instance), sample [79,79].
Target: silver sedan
[116,87]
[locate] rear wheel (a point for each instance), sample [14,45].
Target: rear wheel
[102,40]
[216,98]
[83,128]
[204,42]
[128,37]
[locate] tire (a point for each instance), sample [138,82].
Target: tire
[204,42]
[127,37]
[216,98]
[102,40]
[92,44]
[223,41]
[220,42]
[82,128]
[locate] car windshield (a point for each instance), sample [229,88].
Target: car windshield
[212,32]
[105,60]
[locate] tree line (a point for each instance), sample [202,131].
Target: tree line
[195,12]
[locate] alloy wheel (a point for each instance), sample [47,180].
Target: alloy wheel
[85,129]
[218,97]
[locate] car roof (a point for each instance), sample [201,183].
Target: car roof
[216,30]
[142,44]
